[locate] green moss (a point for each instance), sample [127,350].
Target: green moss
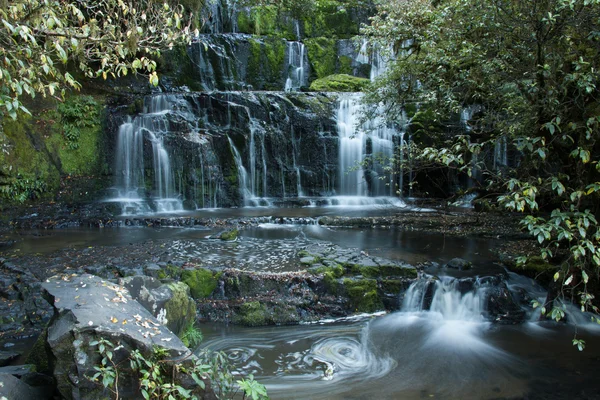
[181,310]
[363,295]
[395,270]
[169,272]
[265,63]
[202,282]
[28,157]
[382,271]
[336,270]
[252,313]
[284,314]
[39,355]
[83,160]
[537,265]
[322,55]
[392,286]
[265,21]
[339,83]
[229,235]
[345,65]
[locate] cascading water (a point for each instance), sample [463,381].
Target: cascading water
[242,174]
[299,190]
[500,153]
[351,147]
[258,179]
[130,185]
[448,300]
[297,60]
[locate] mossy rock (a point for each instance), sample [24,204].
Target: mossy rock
[169,272]
[252,313]
[336,270]
[285,314]
[339,83]
[229,235]
[181,309]
[40,354]
[322,56]
[363,295]
[391,286]
[382,271]
[202,282]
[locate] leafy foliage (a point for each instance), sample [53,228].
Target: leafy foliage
[192,336]
[157,378]
[20,189]
[43,39]
[530,69]
[77,113]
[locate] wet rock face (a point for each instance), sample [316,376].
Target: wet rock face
[88,308]
[169,302]
[459,264]
[278,136]
[337,283]
[23,310]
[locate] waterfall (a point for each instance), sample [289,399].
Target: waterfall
[448,300]
[299,191]
[383,139]
[351,147]
[379,63]
[257,179]
[209,183]
[216,62]
[500,153]
[296,62]
[130,183]
[242,174]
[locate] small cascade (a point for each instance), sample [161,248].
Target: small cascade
[242,174]
[379,63]
[130,183]
[216,63]
[351,147]
[209,183]
[446,297]
[500,153]
[299,191]
[297,59]
[258,167]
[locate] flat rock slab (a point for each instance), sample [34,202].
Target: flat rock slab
[7,356]
[13,388]
[105,307]
[88,308]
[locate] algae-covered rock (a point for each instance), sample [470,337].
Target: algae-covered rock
[170,302]
[88,308]
[202,282]
[339,83]
[252,314]
[363,295]
[229,235]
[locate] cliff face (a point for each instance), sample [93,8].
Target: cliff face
[213,136]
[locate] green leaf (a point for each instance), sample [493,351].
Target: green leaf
[585,277]
[568,281]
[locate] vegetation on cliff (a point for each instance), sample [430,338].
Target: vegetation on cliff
[528,69]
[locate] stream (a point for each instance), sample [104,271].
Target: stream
[444,350]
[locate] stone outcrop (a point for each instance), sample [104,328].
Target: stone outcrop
[170,302]
[88,308]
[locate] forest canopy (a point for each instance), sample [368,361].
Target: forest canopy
[529,68]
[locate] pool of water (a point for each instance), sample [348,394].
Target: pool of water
[266,247]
